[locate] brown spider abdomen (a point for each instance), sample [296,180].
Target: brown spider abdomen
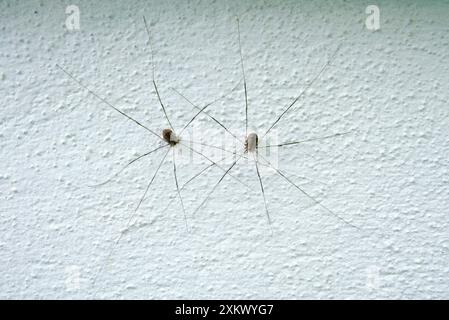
[251,142]
[169,136]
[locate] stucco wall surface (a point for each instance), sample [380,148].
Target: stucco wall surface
[388,176]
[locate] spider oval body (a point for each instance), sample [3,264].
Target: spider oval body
[251,142]
[170,137]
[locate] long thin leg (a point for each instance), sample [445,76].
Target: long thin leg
[195,116]
[187,182]
[309,196]
[263,192]
[196,176]
[128,164]
[202,110]
[302,92]
[154,78]
[244,79]
[190,180]
[216,185]
[297,176]
[307,140]
[177,189]
[106,102]
[211,146]
[210,160]
[114,245]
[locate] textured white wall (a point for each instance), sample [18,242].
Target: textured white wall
[389,177]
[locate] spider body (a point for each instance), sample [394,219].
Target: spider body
[170,137]
[251,142]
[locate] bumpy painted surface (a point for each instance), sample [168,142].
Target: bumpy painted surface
[389,177]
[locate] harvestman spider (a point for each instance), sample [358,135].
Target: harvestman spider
[169,137]
[251,141]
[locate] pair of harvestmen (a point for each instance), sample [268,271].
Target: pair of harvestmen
[171,139]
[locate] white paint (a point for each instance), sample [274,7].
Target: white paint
[390,178]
